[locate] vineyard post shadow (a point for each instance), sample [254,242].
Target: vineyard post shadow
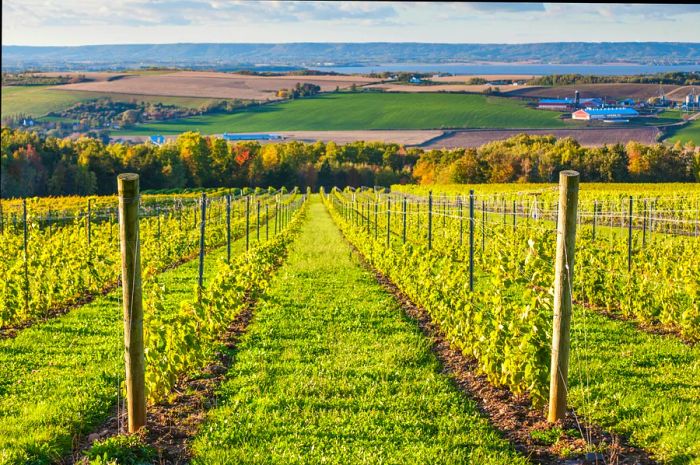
[563,278]
[128,188]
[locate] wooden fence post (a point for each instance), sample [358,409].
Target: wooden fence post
[461,219]
[228,228]
[430,220]
[471,239]
[563,278]
[202,245]
[267,222]
[26,256]
[247,222]
[388,222]
[128,188]
[644,227]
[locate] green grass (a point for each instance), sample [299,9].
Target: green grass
[60,379]
[347,111]
[639,384]
[642,385]
[37,101]
[688,133]
[331,371]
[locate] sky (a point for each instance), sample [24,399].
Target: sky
[84,22]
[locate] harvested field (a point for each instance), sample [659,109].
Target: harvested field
[464,78]
[214,85]
[586,137]
[441,88]
[635,91]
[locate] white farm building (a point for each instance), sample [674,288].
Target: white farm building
[588,114]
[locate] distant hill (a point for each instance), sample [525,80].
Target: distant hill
[229,56]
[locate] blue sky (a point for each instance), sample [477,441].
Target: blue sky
[80,22]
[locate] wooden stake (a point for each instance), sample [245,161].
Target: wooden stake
[430,220]
[202,244]
[228,228]
[563,278]
[26,256]
[471,239]
[128,188]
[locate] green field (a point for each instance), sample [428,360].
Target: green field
[37,101]
[688,133]
[330,371]
[332,112]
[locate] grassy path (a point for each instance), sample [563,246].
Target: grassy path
[331,371]
[60,378]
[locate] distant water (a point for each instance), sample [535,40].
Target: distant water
[456,68]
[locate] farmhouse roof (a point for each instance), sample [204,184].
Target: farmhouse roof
[611,111]
[557,100]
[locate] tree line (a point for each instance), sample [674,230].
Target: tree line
[681,78]
[36,165]
[525,158]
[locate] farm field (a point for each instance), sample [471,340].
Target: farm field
[689,133]
[46,402]
[213,85]
[448,87]
[349,111]
[327,375]
[604,386]
[331,367]
[635,91]
[37,101]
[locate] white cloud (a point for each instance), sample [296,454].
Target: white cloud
[56,22]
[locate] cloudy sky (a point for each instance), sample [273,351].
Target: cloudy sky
[80,22]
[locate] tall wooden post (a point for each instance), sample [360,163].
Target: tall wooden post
[461,219]
[228,228]
[644,227]
[202,244]
[563,279]
[430,220]
[257,222]
[25,255]
[388,222]
[267,222]
[247,222]
[128,189]
[471,240]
